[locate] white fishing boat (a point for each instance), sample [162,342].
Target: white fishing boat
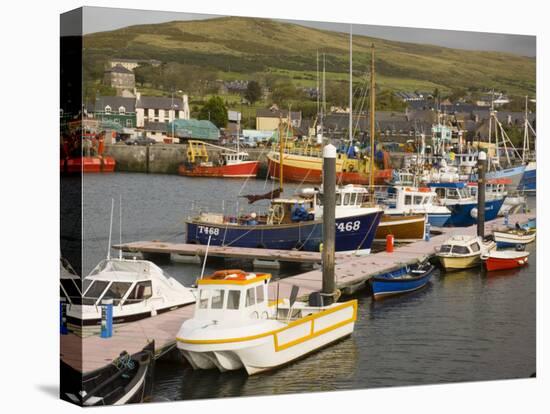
[235,327]
[401,200]
[137,288]
[463,252]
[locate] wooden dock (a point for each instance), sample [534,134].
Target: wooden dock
[185,249]
[352,273]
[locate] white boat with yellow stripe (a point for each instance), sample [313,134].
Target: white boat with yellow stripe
[235,326]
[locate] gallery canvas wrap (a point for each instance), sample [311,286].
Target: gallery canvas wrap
[254,206]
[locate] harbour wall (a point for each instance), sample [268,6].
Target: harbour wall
[165,158]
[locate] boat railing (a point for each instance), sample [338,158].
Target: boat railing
[226,209]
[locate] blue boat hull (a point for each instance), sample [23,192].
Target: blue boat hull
[529,180]
[352,233]
[461,214]
[394,283]
[438,220]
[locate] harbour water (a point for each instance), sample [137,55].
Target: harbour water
[464,326]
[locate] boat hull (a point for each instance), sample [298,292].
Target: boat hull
[95,164]
[513,174]
[274,348]
[529,180]
[496,263]
[385,286]
[241,170]
[302,169]
[404,228]
[354,233]
[438,220]
[505,239]
[462,215]
[463,262]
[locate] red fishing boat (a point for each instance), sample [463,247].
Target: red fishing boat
[232,164]
[74,162]
[504,259]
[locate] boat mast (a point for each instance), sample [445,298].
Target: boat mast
[120,227]
[280,153]
[110,229]
[318,98]
[525,134]
[350,127]
[324,102]
[372,109]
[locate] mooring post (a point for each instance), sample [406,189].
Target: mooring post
[107,318]
[329,222]
[427,235]
[481,167]
[63,317]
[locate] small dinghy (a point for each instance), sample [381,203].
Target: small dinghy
[128,379]
[504,259]
[235,327]
[515,236]
[403,280]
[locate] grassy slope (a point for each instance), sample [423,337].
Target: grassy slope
[249,45]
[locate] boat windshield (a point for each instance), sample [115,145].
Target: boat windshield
[130,266]
[460,250]
[101,289]
[446,248]
[70,290]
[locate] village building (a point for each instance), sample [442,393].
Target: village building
[269,119]
[120,78]
[160,109]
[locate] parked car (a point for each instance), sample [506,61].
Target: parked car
[140,141]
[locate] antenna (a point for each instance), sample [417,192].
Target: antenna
[110,229]
[350,126]
[120,227]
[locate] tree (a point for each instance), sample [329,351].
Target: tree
[215,111]
[253,92]
[283,92]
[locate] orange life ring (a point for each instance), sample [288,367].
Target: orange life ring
[221,274]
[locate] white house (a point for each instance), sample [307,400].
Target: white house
[160,109]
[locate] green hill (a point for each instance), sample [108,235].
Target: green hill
[235,47]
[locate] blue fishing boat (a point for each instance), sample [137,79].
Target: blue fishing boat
[403,280]
[293,223]
[457,197]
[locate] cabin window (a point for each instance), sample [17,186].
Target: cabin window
[259,294]
[440,192]
[353,199]
[460,250]
[217,299]
[452,193]
[426,200]
[71,288]
[116,291]
[96,289]
[250,297]
[446,248]
[417,199]
[408,200]
[203,300]
[475,247]
[338,199]
[346,199]
[141,291]
[233,298]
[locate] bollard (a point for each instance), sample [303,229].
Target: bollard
[107,318]
[389,243]
[63,317]
[329,222]
[427,234]
[507,218]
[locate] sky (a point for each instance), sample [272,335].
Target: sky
[98,19]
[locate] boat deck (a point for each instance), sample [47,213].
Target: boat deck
[352,273]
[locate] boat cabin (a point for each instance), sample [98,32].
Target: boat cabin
[461,246]
[410,198]
[451,191]
[230,158]
[124,281]
[232,295]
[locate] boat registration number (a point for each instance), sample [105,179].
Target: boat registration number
[348,226]
[214,231]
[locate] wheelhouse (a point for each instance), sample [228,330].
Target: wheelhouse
[461,246]
[451,191]
[235,157]
[232,295]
